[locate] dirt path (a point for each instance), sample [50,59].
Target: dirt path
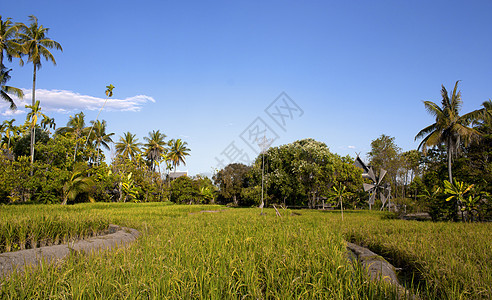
[378,268]
[118,237]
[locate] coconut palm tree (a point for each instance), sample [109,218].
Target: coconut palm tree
[77,183]
[154,147]
[9,129]
[32,118]
[100,137]
[48,122]
[35,45]
[109,93]
[450,128]
[6,91]
[178,152]
[8,44]
[75,127]
[127,146]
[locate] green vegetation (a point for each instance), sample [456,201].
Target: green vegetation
[32,226]
[236,253]
[239,253]
[452,260]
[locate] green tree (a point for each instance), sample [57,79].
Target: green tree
[385,154]
[48,122]
[77,184]
[127,146]
[301,172]
[155,147]
[9,46]
[450,128]
[100,137]
[338,194]
[109,93]
[6,91]
[32,118]
[184,190]
[231,181]
[178,151]
[10,131]
[76,129]
[35,45]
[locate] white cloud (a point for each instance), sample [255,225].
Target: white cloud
[63,101]
[351,147]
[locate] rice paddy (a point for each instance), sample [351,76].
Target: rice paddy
[240,254]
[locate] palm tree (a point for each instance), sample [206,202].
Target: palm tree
[450,128]
[8,44]
[109,93]
[100,137]
[128,146]
[48,122]
[9,129]
[35,45]
[32,117]
[338,194]
[77,183]
[154,147]
[6,91]
[75,127]
[177,152]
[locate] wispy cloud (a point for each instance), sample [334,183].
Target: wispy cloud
[63,101]
[351,147]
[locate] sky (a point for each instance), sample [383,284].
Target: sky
[225,75]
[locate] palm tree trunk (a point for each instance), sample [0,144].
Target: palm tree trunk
[450,173]
[33,130]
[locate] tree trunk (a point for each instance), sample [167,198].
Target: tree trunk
[450,173]
[341,207]
[33,130]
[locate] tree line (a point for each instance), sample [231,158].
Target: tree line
[44,164]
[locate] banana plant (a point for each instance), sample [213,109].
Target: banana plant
[129,188]
[457,190]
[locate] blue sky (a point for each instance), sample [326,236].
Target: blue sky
[206,72]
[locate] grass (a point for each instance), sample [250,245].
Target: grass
[235,254]
[451,260]
[32,226]
[238,254]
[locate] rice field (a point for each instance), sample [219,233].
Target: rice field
[239,254]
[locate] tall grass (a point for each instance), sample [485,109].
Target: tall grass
[23,227]
[451,260]
[234,254]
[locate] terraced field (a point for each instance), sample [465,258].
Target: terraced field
[187,252]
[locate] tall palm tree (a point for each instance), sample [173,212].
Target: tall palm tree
[154,147]
[6,91]
[9,129]
[76,128]
[35,45]
[8,43]
[109,93]
[450,128]
[100,137]
[178,152]
[32,117]
[127,146]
